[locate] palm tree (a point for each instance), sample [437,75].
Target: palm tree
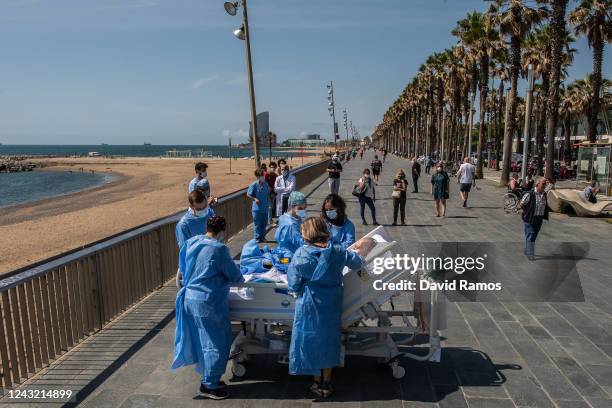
[557,42]
[477,35]
[514,19]
[593,18]
[538,53]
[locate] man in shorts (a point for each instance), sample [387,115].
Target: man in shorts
[376,167]
[466,178]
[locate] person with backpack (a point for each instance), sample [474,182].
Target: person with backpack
[366,193]
[535,210]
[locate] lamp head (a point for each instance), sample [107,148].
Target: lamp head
[239,33]
[231,8]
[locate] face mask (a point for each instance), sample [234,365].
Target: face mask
[301,213]
[199,213]
[331,214]
[285,173]
[261,179]
[366,176]
[203,174]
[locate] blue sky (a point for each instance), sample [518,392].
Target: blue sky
[171,72]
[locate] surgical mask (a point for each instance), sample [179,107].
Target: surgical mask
[261,179]
[366,176]
[285,173]
[331,214]
[301,213]
[199,213]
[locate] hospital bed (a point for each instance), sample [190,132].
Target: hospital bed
[264,316]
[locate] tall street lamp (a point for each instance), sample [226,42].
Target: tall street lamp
[242,33]
[332,111]
[346,126]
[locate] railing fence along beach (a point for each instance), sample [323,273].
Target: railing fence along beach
[50,307]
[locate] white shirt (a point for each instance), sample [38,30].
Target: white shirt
[466,173]
[284,185]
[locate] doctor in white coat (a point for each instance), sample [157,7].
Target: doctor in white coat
[283,186]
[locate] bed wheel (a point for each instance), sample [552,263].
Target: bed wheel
[238,370]
[398,371]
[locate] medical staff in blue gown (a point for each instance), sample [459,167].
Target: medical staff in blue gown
[203,329]
[259,192]
[288,235]
[315,275]
[194,221]
[341,229]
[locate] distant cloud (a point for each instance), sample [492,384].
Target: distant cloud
[200,82]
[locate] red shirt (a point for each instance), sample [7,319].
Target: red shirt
[270,178]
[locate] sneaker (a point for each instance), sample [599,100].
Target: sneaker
[316,388]
[326,390]
[216,394]
[465,203]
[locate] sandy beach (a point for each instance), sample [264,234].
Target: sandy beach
[145,189]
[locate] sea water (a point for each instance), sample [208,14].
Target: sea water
[140,150]
[19,188]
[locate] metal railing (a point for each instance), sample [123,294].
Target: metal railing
[50,307]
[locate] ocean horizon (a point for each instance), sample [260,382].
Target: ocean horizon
[135,150]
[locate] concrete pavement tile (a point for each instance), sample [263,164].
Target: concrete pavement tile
[490,403]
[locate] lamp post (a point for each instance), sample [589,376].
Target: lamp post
[332,111]
[242,33]
[346,126]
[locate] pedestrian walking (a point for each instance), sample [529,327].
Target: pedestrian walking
[535,210]
[428,163]
[366,192]
[465,177]
[400,186]
[283,186]
[376,166]
[384,155]
[416,173]
[361,153]
[333,170]
[259,193]
[440,185]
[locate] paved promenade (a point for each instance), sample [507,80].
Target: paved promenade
[495,354]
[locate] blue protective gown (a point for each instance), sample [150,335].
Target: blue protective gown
[203,329]
[316,275]
[343,235]
[288,234]
[191,225]
[202,184]
[259,211]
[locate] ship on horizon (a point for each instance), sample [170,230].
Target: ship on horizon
[148,144]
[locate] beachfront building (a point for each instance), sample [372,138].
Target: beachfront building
[308,140]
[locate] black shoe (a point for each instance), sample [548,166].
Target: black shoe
[465,203]
[365,223]
[394,224]
[221,384]
[216,394]
[375,223]
[316,388]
